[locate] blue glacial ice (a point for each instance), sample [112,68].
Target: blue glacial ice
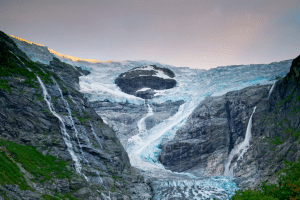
[192,86]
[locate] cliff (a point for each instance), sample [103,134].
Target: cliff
[219,124]
[53,145]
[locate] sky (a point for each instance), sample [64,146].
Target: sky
[185,33]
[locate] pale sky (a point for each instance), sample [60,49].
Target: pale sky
[189,33]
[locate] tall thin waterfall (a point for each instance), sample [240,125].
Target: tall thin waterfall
[72,121]
[243,146]
[271,90]
[65,135]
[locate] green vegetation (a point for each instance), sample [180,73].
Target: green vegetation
[296,134]
[82,120]
[283,101]
[17,66]
[10,172]
[58,197]
[42,167]
[4,85]
[276,140]
[288,186]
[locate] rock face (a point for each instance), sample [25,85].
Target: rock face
[124,117]
[25,119]
[219,124]
[142,81]
[211,131]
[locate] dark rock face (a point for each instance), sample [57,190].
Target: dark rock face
[142,77]
[218,124]
[211,131]
[25,119]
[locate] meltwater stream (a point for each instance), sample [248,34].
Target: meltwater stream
[192,87]
[240,149]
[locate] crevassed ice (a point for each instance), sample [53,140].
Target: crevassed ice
[192,86]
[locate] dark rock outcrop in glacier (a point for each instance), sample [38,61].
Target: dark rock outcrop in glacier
[142,81]
[26,120]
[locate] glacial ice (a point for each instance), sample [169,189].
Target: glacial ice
[192,87]
[159,73]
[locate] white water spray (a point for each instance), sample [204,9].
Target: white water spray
[243,146]
[65,135]
[72,121]
[271,90]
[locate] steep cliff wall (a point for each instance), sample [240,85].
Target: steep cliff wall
[47,121]
[219,124]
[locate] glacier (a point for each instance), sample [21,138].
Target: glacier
[193,85]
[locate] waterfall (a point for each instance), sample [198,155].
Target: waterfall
[97,138]
[76,131]
[237,150]
[271,90]
[72,121]
[65,135]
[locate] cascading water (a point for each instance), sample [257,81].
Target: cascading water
[243,146]
[65,135]
[76,131]
[70,116]
[271,90]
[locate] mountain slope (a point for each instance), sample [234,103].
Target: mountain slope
[46,119]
